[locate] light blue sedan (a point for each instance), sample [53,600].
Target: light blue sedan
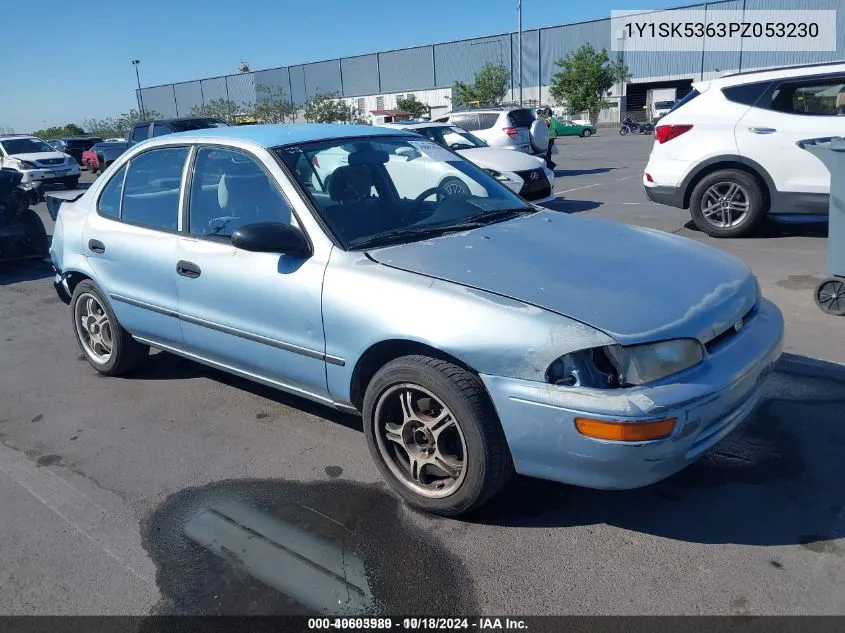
[476,334]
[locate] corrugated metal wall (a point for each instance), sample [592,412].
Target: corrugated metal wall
[441,65]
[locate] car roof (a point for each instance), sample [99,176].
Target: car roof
[178,118]
[14,137]
[274,135]
[416,126]
[771,74]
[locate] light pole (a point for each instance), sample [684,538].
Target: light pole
[519,42]
[135,63]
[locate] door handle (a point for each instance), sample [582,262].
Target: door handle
[188,269]
[96,246]
[762,130]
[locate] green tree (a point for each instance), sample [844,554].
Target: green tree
[69,129]
[273,106]
[222,108]
[327,108]
[488,88]
[585,79]
[413,107]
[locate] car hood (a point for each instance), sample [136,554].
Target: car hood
[636,285]
[501,159]
[36,156]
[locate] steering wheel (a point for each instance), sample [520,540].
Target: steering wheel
[431,191]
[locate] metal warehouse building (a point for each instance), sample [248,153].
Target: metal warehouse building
[429,72]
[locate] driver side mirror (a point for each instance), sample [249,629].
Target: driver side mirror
[408,152]
[271,237]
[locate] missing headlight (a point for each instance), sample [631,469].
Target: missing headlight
[585,368]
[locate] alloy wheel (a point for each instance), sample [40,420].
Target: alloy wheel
[725,204]
[420,441]
[93,328]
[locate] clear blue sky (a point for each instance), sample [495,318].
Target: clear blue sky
[68,61]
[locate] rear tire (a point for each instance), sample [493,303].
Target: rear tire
[407,395]
[586,134]
[749,194]
[124,352]
[71,183]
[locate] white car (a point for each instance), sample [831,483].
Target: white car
[38,161]
[508,128]
[523,174]
[728,151]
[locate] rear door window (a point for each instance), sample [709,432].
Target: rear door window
[521,118]
[486,120]
[465,120]
[812,96]
[109,203]
[152,186]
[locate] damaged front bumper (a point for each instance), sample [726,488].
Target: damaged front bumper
[709,401]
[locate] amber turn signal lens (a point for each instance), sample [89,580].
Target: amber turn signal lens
[626,431]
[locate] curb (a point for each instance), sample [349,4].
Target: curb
[803,366]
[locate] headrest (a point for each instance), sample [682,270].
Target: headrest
[368,157]
[237,188]
[349,182]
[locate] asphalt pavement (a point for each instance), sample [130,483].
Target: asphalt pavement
[180,489]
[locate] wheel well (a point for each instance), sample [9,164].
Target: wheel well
[729,164]
[73,278]
[382,353]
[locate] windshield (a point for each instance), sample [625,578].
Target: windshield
[452,137]
[26,146]
[375,191]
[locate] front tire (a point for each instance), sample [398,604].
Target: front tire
[107,347]
[454,186]
[434,435]
[728,203]
[71,183]
[623,131]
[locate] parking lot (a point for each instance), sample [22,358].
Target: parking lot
[101,478]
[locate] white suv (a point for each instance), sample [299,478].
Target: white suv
[507,128]
[38,161]
[728,150]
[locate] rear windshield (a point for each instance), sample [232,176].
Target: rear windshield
[521,118]
[196,124]
[692,94]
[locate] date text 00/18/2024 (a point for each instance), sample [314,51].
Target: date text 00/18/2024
[417,623]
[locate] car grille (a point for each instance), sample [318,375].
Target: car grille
[51,161]
[535,186]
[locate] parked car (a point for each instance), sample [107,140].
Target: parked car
[728,153]
[525,175]
[38,161]
[455,324]
[143,130]
[508,128]
[75,145]
[567,127]
[99,157]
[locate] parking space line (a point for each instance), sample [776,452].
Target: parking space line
[584,187]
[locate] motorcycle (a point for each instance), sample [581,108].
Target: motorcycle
[22,233]
[629,125]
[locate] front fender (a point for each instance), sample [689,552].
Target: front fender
[365,303]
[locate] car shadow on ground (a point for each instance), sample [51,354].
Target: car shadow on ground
[166,366]
[570,206]
[562,173]
[777,480]
[24,270]
[771,229]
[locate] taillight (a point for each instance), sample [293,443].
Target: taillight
[511,131]
[648,177]
[665,133]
